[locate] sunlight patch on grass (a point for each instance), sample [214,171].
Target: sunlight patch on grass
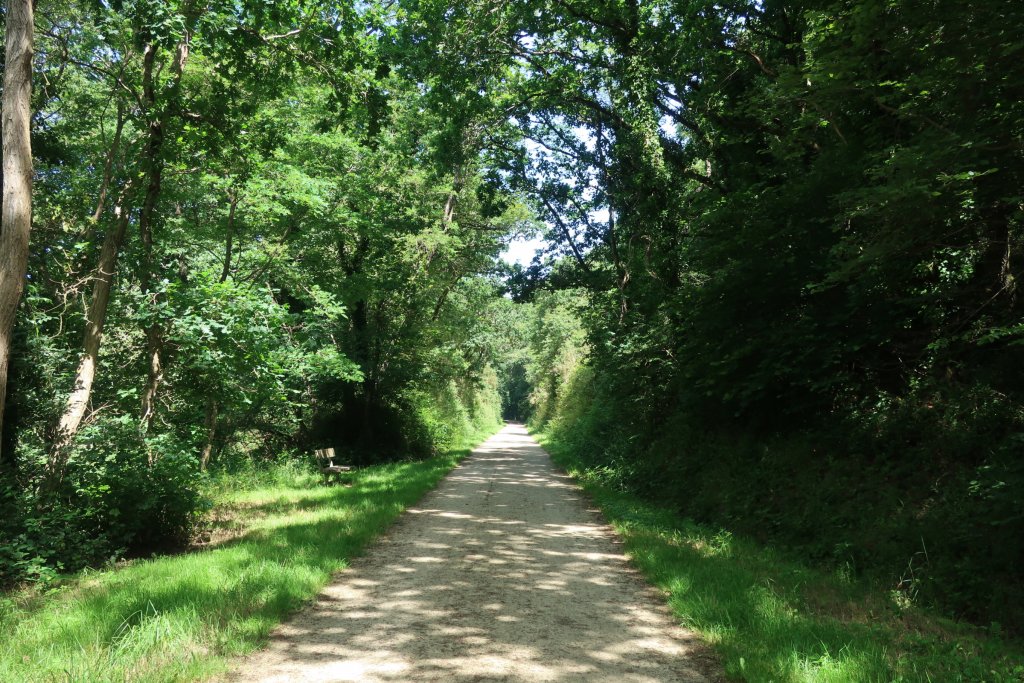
[182,617]
[771,618]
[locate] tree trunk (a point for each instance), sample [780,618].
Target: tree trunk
[451,203]
[154,176]
[16,219]
[449,209]
[155,165]
[78,400]
[622,275]
[108,165]
[154,375]
[211,432]
[226,270]
[154,330]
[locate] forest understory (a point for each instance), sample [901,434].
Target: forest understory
[775,294]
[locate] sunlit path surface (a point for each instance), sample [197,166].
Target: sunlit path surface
[501,574]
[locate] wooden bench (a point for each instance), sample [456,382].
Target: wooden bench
[325,460]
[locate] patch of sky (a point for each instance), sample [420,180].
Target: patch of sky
[554,147]
[523,249]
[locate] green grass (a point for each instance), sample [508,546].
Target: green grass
[771,618]
[182,617]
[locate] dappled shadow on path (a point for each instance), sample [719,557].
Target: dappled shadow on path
[502,573]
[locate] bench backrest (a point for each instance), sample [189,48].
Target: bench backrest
[325,456]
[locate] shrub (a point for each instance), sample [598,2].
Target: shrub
[112,503]
[923,495]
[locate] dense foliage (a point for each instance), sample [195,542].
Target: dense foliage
[270,240]
[780,292]
[798,227]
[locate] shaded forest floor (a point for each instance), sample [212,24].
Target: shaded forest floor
[772,618]
[182,617]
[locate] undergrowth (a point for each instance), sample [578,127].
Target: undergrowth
[182,617]
[773,618]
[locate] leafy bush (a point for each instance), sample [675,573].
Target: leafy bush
[112,503]
[140,506]
[450,416]
[923,496]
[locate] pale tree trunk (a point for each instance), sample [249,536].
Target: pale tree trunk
[447,218]
[16,219]
[449,209]
[78,400]
[96,314]
[211,432]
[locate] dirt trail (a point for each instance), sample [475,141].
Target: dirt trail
[502,573]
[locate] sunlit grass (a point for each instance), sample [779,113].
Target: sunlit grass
[771,618]
[182,617]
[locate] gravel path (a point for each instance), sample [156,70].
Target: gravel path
[502,573]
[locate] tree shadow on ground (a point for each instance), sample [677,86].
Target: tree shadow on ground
[773,618]
[501,574]
[221,601]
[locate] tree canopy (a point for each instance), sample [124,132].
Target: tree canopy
[781,237]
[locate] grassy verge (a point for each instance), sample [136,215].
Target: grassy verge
[774,619]
[182,617]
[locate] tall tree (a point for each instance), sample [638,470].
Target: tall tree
[16,221]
